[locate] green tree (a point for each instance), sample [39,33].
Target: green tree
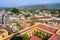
[25,37]
[59,10]
[17,23]
[16,37]
[15,11]
[53,11]
[27,15]
[11,13]
[32,23]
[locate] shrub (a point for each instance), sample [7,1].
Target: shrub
[32,23]
[25,37]
[16,37]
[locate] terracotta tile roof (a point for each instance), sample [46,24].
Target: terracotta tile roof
[35,38]
[25,21]
[14,16]
[55,37]
[47,28]
[24,24]
[43,17]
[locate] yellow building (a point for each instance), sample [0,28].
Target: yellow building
[3,34]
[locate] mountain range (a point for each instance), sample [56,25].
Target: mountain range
[42,6]
[39,6]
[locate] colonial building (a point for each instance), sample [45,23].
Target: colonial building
[43,29]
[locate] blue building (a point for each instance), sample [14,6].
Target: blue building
[4,17]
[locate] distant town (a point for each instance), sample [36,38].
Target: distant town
[29,24]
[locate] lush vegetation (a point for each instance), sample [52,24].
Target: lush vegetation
[16,37]
[19,37]
[30,12]
[27,15]
[15,11]
[43,35]
[25,37]
[17,23]
[39,33]
[32,23]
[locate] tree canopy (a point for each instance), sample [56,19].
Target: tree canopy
[15,11]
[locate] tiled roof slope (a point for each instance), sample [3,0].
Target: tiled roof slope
[53,30]
[55,37]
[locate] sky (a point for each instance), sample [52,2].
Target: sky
[16,3]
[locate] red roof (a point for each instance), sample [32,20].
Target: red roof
[53,30]
[25,20]
[14,16]
[43,17]
[35,38]
[55,37]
